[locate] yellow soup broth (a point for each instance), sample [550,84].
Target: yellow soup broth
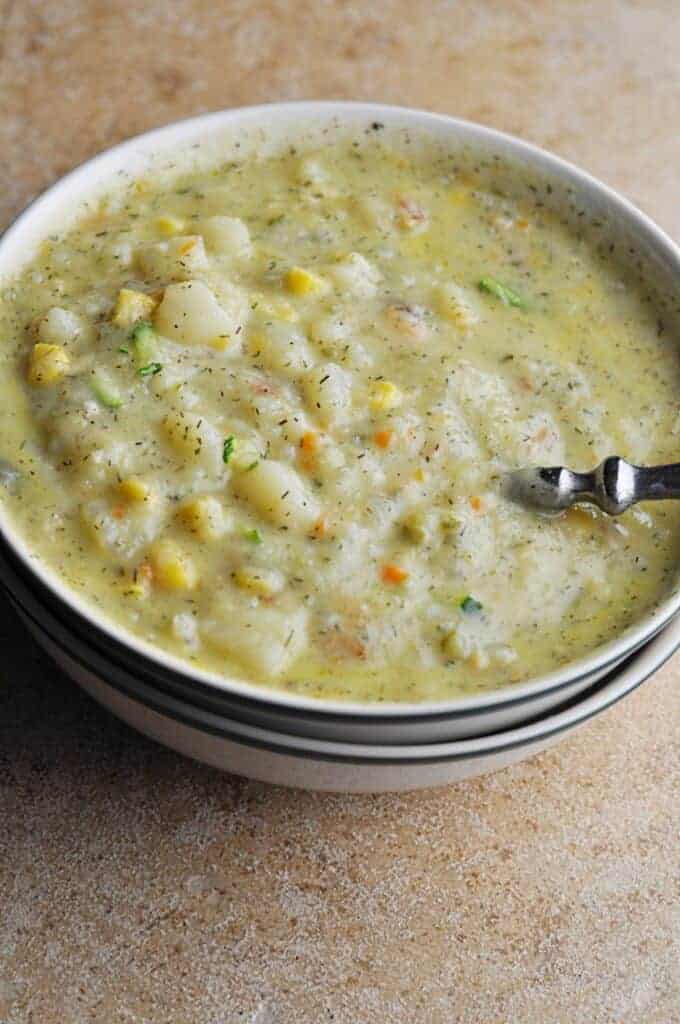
[261,415]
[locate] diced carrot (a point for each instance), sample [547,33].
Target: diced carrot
[118,511]
[320,529]
[310,441]
[309,446]
[383,438]
[394,573]
[476,504]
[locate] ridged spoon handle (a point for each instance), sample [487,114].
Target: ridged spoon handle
[613,486]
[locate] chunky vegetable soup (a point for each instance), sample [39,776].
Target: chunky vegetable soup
[261,415]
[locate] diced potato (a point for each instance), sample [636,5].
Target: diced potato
[264,582]
[47,364]
[385,396]
[454,303]
[59,327]
[194,437]
[332,333]
[169,225]
[228,235]
[328,389]
[337,338]
[265,640]
[282,348]
[122,254]
[205,517]
[303,282]
[311,171]
[123,528]
[185,629]
[176,259]
[245,453]
[132,306]
[355,275]
[191,315]
[275,308]
[173,569]
[134,489]
[278,494]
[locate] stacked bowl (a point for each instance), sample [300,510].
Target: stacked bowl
[274,736]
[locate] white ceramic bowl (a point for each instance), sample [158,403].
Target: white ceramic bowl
[308,762]
[647,250]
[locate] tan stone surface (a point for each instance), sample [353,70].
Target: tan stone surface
[138,887]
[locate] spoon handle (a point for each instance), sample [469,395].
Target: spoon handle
[616,484]
[613,486]
[655,483]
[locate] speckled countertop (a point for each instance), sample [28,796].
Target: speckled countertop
[136,886]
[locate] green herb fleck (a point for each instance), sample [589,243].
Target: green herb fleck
[507,296]
[124,349]
[228,448]
[150,370]
[469,604]
[253,535]
[252,465]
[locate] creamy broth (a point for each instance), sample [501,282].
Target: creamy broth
[261,415]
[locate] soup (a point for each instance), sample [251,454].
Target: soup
[260,414]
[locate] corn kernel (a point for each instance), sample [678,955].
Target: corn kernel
[132,306]
[186,247]
[204,517]
[48,364]
[169,225]
[173,569]
[134,489]
[220,342]
[303,282]
[385,396]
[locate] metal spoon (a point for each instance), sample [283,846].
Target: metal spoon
[613,486]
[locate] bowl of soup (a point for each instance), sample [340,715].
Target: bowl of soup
[265,373]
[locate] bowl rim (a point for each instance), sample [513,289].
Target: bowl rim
[298,113]
[552,724]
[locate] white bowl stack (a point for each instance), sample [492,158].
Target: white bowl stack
[273,736]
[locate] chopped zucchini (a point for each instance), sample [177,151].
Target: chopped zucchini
[105,391]
[144,344]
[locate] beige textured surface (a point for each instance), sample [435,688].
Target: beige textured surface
[138,887]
